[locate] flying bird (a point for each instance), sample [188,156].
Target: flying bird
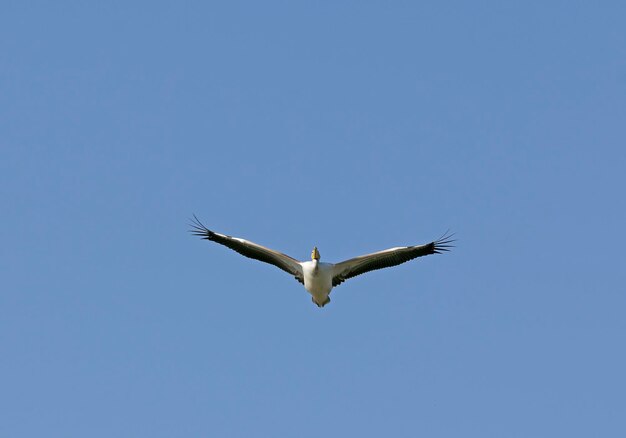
[318,277]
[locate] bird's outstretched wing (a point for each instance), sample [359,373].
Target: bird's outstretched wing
[388,257]
[250,249]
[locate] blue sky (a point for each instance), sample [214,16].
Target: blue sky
[352,126]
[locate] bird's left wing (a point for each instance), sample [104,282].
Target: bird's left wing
[387,258]
[250,249]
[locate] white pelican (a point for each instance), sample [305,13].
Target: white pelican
[318,277]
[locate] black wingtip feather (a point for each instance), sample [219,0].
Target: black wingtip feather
[198,229]
[444,243]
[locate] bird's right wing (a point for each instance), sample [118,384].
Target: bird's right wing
[387,258]
[250,249]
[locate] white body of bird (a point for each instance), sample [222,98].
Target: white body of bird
[318,280]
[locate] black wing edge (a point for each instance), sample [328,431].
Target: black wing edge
[444,243]
[198,229]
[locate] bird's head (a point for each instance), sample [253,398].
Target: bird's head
[315,254]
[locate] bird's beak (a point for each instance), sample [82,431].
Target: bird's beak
[315,254]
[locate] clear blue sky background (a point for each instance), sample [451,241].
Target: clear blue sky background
[353,126]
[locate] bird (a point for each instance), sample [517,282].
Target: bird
[319,278]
